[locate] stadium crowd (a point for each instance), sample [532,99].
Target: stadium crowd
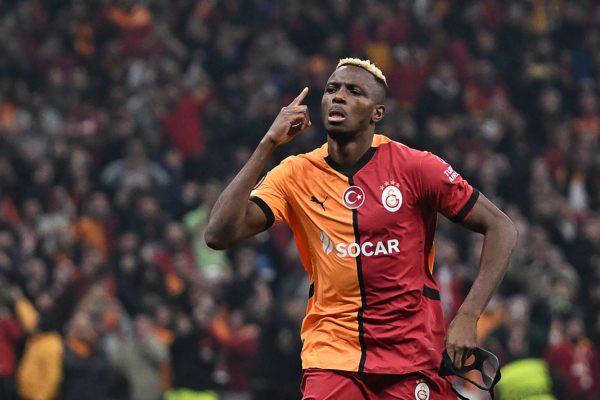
[122,120]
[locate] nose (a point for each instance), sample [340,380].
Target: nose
[340,96]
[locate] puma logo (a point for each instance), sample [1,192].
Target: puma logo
[321,203]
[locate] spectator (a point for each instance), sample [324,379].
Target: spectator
[85,365]
[10,333]
[139,355]
[577,360]
[40,372]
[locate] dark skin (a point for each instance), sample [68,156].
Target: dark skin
[350,108]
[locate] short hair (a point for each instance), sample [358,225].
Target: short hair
[366,65]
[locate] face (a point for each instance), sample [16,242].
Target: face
[352,101]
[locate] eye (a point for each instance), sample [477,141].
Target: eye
[330,89]
[356,92]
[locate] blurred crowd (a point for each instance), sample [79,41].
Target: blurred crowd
[121,121]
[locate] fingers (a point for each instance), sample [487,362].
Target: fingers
[297,115]
[459,356]
[301,122]
[300,98]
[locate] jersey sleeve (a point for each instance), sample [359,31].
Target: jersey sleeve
[270,194]
[445,190]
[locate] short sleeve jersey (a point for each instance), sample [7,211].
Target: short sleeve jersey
[365,237]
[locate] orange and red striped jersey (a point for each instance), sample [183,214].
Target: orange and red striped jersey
[365,237]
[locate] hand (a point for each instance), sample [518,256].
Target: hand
[461,339]
[290,121]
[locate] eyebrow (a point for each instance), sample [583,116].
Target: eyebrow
[349,85]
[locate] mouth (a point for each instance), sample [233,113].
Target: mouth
[336,115]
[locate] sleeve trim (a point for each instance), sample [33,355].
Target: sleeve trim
[464,212]
[265,208]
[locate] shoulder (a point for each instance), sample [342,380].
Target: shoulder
[304,162]
[408,157]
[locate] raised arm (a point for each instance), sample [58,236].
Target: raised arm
[498,245]
[234,218]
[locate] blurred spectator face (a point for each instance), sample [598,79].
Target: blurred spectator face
[136,152]
[183,324]
[56,78]
[32,210]
[163,316]
[518,309]
[44,302]
[36,270]
[79,79]
[446,73]
[574,12]
[65,237]
[44,173]
[210,193]
[82,328]
[484,73]
[190,195]
[205,308]
[240,157]
[486,42]
[92,264]
[588,103]
[148,208]
[236,320]
[246,262]
[99,207]
[64,273]
[128,242]
[143,325]
[128,264]
[174,161]
[79,162]
[181,264]
[550,101]
[7,241]
[148,254]
[574,330]
[175,237]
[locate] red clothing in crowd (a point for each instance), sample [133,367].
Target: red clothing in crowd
[579,365]
[184,125]
[10,332]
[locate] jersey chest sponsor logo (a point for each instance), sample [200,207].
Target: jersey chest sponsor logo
[368,249]
[327,243]
[353,197]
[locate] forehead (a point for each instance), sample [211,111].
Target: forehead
[351,74]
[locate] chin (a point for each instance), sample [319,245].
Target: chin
[341,133]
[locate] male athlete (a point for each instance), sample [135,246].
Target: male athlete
[363,210]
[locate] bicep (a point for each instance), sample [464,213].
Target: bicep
[255,221]
[483,216]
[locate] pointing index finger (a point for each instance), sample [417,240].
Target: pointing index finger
[300,97]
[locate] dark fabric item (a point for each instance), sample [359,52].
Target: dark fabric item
[85,378]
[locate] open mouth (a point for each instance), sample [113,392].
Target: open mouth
[336,116]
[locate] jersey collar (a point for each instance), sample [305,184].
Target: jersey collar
[351,171]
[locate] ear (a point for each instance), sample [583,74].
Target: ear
[378,113]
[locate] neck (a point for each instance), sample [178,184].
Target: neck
[347,150]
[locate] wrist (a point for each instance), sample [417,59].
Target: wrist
[268,143]
[469,315]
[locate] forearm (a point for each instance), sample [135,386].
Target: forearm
[499,243]
[225,224]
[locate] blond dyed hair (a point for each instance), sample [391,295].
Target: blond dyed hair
[364,64]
